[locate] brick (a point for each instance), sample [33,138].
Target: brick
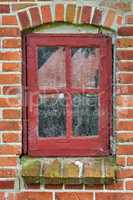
[9,32]
[130,161]
[73,196]
[8,161]
[35,16]
[70,170]
[9,78]
[24,19]
[12,43]
[74,187]
[86,14]
[27,0]
[11,196]
[52,170]
[11,114]
[109,168]
[9,102]
[129,19]
[109,20]
[115,195]
[34,196]
[11,66]
[31,167]
[46,14]
[124,100]
[5,173]
[2,196]
[125,54]
[1,90]
[93,169]
[53,187]
[125,78]
[11,137]
[125,125]
[125,173]
[9,20]
[129,185]
[124,43]
[125,113]
[125,66]
[119,20]
[11,90]
[97,17]
[125,137]
[94,187]
[4,9]
[125,150]
[6,185]
[115,186]
[123,6]
[10,56]
[8,0]
[17,7]
[70,12]
[10,125]
[10,149]
[78,14]
[59,12]
[33,186]
[125,31]
[124,90]
[120,161]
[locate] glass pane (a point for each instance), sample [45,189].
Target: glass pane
[85,65]
[85,115]
[51,67]
[52,114]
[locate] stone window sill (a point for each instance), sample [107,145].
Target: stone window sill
[97,170]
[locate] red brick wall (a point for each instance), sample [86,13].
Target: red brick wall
[16,15]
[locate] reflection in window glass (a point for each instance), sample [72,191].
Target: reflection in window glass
[52,115]
[85,115]
[51,67]
[85,65]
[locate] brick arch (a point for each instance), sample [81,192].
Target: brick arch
[71,13]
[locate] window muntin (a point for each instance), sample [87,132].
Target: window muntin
[72,143]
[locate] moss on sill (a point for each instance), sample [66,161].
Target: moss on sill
[100,170]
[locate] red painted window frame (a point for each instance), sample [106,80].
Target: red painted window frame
[69,146]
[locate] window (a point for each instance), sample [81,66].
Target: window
[68,96]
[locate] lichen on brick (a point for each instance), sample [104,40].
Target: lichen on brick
[93,168]
[110,167]
[70,170]
[52,169]
[30,167]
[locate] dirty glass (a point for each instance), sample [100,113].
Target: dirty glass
[51,67]
[85,115]
[52,115]
[85,65]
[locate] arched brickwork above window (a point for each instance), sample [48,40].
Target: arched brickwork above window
[71,13]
